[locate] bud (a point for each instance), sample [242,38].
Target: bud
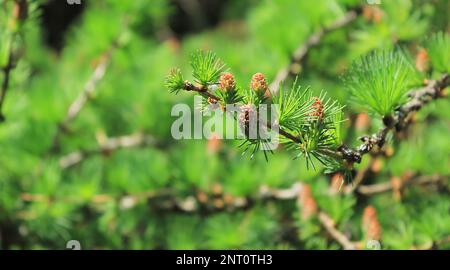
[202,197]
[317,108]
[370,224]
[259,83]
[422,60]
[377,165]
[228,199]
[218,203]
[397,185]
[217,189]
[362,121]
[369,214]
[227,82]
[372,14]
[388,151]
[306,203]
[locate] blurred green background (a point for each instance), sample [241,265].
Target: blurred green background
[61,180]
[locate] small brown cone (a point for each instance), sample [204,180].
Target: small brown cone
[422,60]
[370,224]
[372,14]
[219,203]
[228,199]
[202,197]
[362,121]
[306,202]
[217,189]
[377,165]
[317,108]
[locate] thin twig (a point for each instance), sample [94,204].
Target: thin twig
[202,90]
[107,146]
[299,54]
[192,204]
[166,199]
[341,238]
[369,190]
[360,176]
[87,93]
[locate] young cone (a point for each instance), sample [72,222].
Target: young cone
[422,60]
[370,224]
[259,83]
[317,108]
[260,86]
[307,203]
[227,82]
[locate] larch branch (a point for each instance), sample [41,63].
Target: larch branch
[398,122]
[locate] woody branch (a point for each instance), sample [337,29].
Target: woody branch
[419,98]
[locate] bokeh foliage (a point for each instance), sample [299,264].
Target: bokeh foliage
[43,205]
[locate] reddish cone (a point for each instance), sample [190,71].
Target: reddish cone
[370,224]
[259,83]
[317,108]
[227,82]
[306,203]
